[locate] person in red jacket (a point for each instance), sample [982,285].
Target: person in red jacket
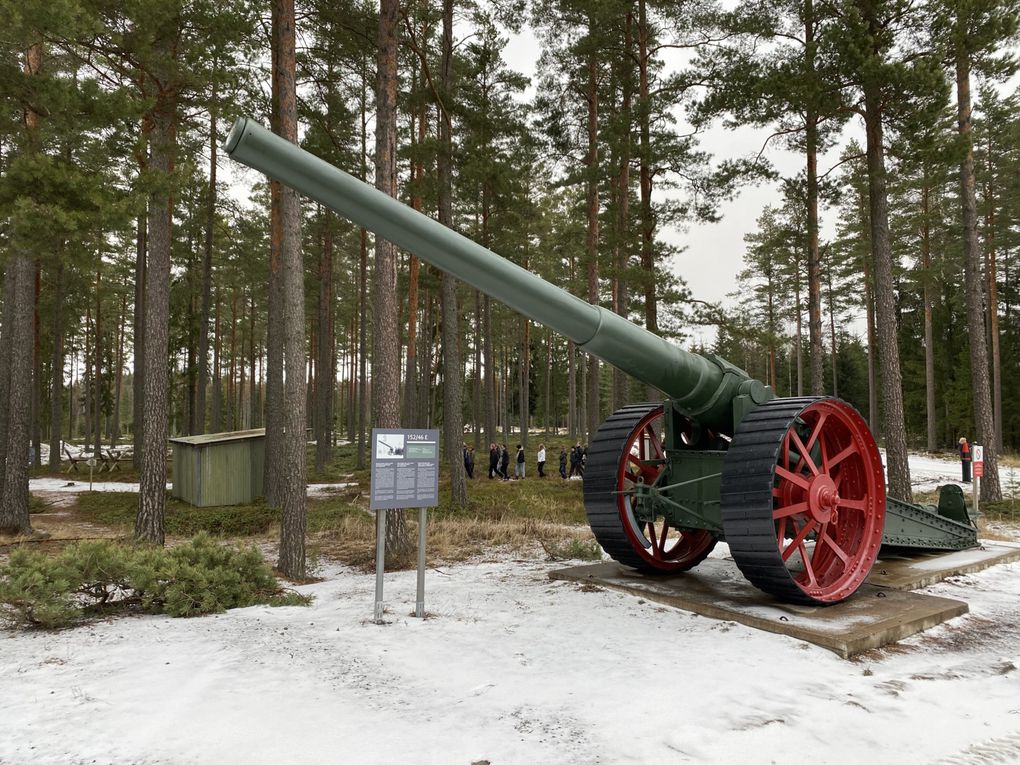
[965,459]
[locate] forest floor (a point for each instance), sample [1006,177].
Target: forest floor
[508,666]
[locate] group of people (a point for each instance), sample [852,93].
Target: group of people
[499,461]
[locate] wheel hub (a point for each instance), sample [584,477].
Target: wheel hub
[823,499]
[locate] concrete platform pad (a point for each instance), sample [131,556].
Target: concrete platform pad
[909,571]
[874,617]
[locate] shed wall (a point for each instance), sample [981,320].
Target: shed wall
[219,473]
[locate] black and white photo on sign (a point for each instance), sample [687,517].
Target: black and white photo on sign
[389,447]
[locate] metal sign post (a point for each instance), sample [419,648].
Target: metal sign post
[91,464]
[380,562]
[419,603]
[978,469]
[405,473]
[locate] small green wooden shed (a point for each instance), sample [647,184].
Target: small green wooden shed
[219,468]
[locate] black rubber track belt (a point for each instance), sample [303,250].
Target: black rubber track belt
[746,498]
[600,501]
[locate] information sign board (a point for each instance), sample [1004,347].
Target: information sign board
[405,468]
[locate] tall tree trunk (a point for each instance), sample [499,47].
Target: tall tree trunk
[993,319]
[37,376]
[524,388]
[386,313]
[198,425]
[232,375]
[162,120]
[621,248]
[504,396]
[893,424]
[87,382]
[411,369]
[991,491]
[216,417]
[242,397]
[272,481]
[118,376]
[363,398]
[813,253]
[929,330]
[550,422]
[291,486]
[97,352]
[571,391]
[832,333]
[138,329]
[592,236]
[324,379]
[867,268]
[413,276]
[798,333]
[645,181]
[14,518]
[16,354]
[453,369]
[476,390]
[252,360]
[6,339]
[6,335]
[426,333]
[56,362]
[489,361]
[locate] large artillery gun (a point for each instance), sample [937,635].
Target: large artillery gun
[794,486]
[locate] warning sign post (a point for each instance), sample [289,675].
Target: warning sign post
[978,469]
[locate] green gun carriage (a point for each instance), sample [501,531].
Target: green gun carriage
[794,486]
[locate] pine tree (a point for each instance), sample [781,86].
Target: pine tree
[973,31]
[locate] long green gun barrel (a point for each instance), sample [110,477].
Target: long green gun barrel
[796,489]
[700,386]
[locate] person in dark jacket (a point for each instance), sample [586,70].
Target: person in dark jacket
[575,460]
[965,459]
[469,461]
[504,464]
[563,463]
[519,467]
[493,460]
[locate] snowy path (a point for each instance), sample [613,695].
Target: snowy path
[513,668]
[928,473]
[76,485]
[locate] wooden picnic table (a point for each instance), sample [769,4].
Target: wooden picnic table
[108,459]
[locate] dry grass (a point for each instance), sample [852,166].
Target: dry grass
[351,540]
[1012,460]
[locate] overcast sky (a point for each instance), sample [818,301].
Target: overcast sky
[712,252]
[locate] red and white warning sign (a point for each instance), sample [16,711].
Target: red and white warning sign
[978,460]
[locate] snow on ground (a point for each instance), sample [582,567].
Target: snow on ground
[510,668]
[77,485]
[927,473]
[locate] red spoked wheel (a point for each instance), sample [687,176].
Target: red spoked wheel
[627,451]
[803,499]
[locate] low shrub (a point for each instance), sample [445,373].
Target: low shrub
[573,548]
[101,576]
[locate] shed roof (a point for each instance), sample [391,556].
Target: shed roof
[218,438]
